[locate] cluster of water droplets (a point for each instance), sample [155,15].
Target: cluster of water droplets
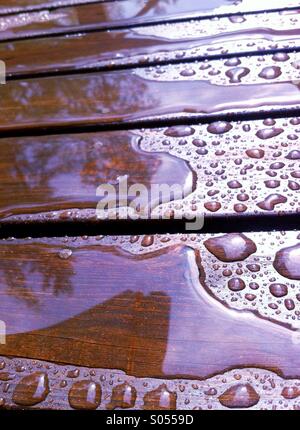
[38,384]
[221,36]
[232,71]
[240,167]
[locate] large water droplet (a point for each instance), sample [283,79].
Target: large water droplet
[271,72]
[219,127]
[236,284]
[268,133]
[179,131]
[278,290]
[123,396]
[161,398]
[235,75]
[290,392]
[231,247]
[255,153]
[239,396]
[293,155]
[32,389]
[271,201]
[287,262]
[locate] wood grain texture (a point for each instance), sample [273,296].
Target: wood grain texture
[112,14]
[185,90]
[153,44]
[222,169]
[99,301]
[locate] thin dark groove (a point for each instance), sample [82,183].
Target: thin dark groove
[133,22]
[130,65]
[148,124]
[226,224]
[38,8]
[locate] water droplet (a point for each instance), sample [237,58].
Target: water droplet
[6,376]
[294,186]
[237,19]
[188,72]
[210,392]
[231,247]
[239,396]
[31,389]
[271,72]
[268,133]
[278,290]
[160,398]
[296,174]
[212,206]
[271,201]
[280,56]
[240,208]
[234,184]
[272,183]
[219,127]
[147,241]
[85,395]
[250,297]
[236,284]
[293,155]
[232,62]
[73,373]
[290,392]
[235,75]
[255,153]
[179,131]
[277,165]
[253,267]
[289,304]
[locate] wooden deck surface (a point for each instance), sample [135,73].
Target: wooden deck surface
[203,100]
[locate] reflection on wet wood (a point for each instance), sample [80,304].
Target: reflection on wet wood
[110,14]
[185,90]
[227,169]
[155,44]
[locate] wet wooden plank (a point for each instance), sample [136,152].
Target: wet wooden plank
[58,173]
[6,6]
[112,14]
[185,90]
[155,44]
[98,302]
[222,169]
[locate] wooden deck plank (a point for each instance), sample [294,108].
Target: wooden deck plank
[186,90]
[222,169]
[110,14]
[6,6]
[156,44]
[232,303]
